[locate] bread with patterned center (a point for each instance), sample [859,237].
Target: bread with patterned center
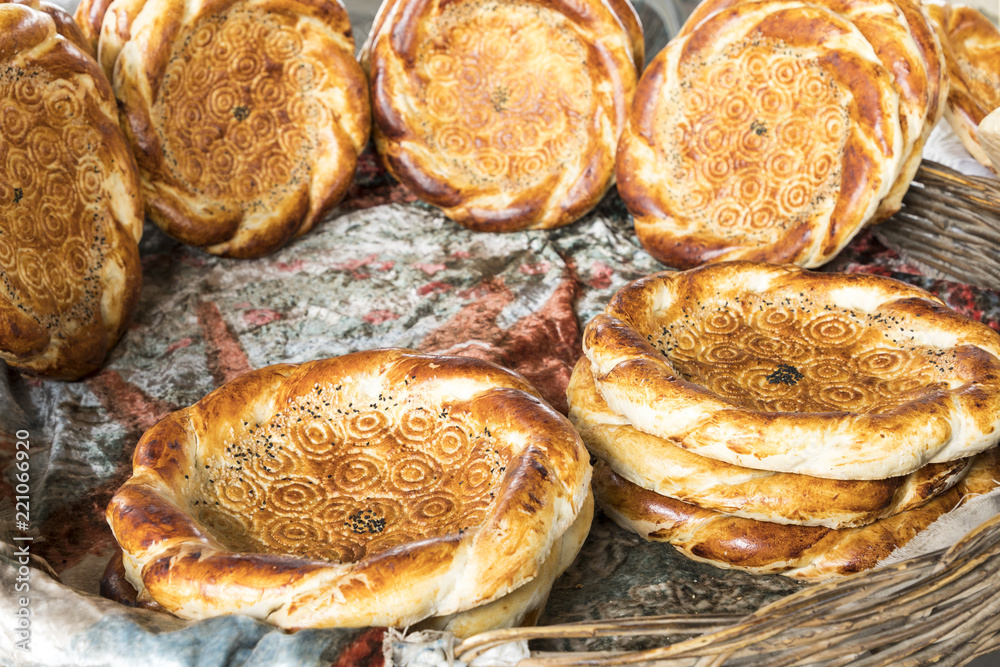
[886,27]
[505,115]
[846,376]
[377,488]
[247,116]
[972,51]
[809,553]
[661,466]
[70,204]
[770,132]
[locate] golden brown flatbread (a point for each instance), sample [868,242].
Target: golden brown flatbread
[972,51]
[377,488]
[70,204]
[810,553]
[522,606]
[506,115]
[662,466]
[246,116]
[845,376]
[886,28]
[769,132]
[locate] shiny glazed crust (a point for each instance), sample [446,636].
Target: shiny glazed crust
[846,376]
[70,206]
[770,132]
[506,115]
[972,52]
[809,553]
[246,117]
[377,488]
[886,28]
[525,604]
[65,25]
[522,606]
[661,466]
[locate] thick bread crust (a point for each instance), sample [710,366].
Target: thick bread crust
[809,553]
[377,488]
[972,51]
[246,116]
[505,115]
[887,29]
[65,25]
[770,132]
[524,605]
[89,15]
[70,205]
[661,466]
[623,9]
[773,367]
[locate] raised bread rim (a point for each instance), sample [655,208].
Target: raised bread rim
[639,163]
[171,559]
[135,44]
[638,382]
[389,55]
[62,355]
[815,554]
[661,466]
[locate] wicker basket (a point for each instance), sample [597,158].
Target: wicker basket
[941,608]
[949,226]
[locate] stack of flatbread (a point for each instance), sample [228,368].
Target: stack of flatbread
[776,130]
[506,115]
[772,420]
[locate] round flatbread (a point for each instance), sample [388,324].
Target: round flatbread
[377,488]
[506,115]
[660,465]
[809,553]
[70,204]
[972,51]
[523,606]
[247,116]
[845,376]
[886,28]
[770,132]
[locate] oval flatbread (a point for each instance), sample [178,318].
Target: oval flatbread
[70,204]
[506,115]
[660,465]
[809,553]
[247,117]
[377,488]
[770,132]
[846,376]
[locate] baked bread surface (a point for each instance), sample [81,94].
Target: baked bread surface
[506,115]
[810,553]
[887,29]
[972,51]
[70,204]
[377,488]
[846,376]
[662,466]
[770,132]
[247,117]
